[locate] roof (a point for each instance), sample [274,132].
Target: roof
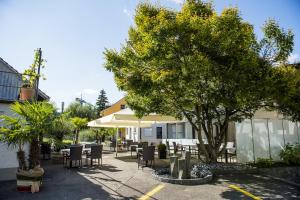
[11,82]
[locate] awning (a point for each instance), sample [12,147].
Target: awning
[127,118]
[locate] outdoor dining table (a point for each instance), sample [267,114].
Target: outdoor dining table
[66,152]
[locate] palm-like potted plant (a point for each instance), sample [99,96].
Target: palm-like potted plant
[79,124]
[15,133]
[30,122]
[30,76]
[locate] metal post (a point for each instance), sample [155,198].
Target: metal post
[269,139]
[117,141]
[252,141]
[283,133]
[298,132]
[38,75]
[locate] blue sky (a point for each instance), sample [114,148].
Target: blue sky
[74,33]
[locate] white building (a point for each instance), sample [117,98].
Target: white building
[262,137]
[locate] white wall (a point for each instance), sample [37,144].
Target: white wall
[8,157]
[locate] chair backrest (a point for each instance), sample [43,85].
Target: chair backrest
[75,152]
[129,142]
[88,145]
[144,144]
[148,153]
[96,151]
[174,144]
[113,143]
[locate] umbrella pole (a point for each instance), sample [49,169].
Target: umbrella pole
[117,142]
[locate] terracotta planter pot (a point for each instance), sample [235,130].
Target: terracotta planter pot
[27,94]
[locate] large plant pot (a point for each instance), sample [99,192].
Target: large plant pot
[162,154]
[27,94]
[30,180]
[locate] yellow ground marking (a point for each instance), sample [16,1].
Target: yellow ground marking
[244,192]
[152,192]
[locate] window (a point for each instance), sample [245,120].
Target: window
[123,106]
[180,133]
[147,132]
[158,132]
[171,131]
[176,131]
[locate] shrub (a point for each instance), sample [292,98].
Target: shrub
[161,147]
[264,162]
[290,154]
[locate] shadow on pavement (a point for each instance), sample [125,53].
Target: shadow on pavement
[258,185]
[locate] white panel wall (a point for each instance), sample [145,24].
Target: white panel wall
[269,138]
[260,138]
[276,137]
[244,140]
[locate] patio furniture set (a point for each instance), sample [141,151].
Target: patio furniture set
[76,152]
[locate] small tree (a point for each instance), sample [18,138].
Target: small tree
[79,124]
[102,102]
[196,64]
[76,109]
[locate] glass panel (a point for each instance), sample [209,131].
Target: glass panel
[244,141]
[159,132]
[276,138]
[180,131]
[260,136]
[171,131]
[290,132]
[147,132]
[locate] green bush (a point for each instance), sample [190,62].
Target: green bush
[264,162]
[161,147]
[87,135]
[291,154]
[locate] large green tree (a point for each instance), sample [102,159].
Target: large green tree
[102,102]
[197,64]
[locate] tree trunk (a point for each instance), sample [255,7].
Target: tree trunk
[76,137]
[34,153]
[21,159]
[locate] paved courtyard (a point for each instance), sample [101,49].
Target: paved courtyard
[121,179]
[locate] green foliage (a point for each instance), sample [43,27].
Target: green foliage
[96,134]
[30,75]
[61,126]
[79,124]
[161,147]
[287,91]
[197,64]
[38,115]
[264,162]
[30,120]
[102,102]
[291,154]
[76,109]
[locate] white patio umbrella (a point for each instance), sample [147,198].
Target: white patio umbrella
[126,118]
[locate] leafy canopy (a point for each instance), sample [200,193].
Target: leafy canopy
[198,64]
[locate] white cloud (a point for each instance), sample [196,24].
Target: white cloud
[127,12]
[177,1]
[293,58]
